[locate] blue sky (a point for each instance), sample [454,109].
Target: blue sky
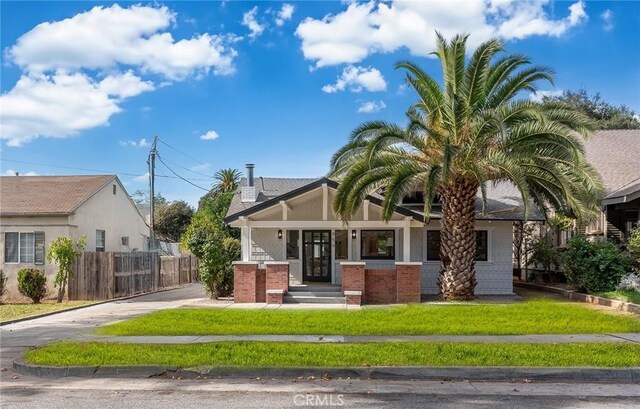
[277,84]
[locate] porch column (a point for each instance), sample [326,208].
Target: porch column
[245,286]
[353,281]
[406,240]
[277,282]
[408,286]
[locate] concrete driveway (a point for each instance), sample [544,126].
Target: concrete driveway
[15,338]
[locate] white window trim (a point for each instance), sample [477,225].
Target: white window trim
[104,241]
[33,246]
[489,259]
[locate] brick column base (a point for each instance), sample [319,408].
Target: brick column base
[277,281]
[408,287]
[353,297]
[353,276]
[275,296]
[244,281]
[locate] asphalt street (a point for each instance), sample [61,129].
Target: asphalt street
[199,394]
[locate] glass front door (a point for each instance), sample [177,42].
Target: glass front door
[316,255]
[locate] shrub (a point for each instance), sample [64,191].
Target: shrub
[545,253]
[32,283]
[3,284]
[64,251]
[594,266]
[629,282]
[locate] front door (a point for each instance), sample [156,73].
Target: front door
[316,255]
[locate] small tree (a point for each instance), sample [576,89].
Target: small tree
[3,285]
[523,239]
[546,254]
[64,251]
[172,220]
[215,250]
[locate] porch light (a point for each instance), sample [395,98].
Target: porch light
[353,234]
[280,234]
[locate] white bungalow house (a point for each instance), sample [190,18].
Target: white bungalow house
[292,220]
[35,210]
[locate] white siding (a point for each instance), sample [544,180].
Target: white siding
[265,245]
[494,276]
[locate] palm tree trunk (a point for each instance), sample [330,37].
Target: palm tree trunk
[458,241]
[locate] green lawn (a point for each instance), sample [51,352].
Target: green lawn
[531,317]
[629,296]
[261,354]
[14,311]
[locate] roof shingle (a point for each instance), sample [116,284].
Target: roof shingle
[38,195]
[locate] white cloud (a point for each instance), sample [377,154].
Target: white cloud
[11,172]
[607,20]
[77,71]
[285,14]
[114,35]
[209,136]
[201,167]
[355,79]
[249,20]
[141,178]
[59,105]
[142,143]
[368,28]
[538,95]
[124,85]
[369,107]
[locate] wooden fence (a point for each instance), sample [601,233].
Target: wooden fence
[107,275]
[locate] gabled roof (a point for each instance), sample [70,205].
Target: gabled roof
[503,200]
[47,195]
[616,156]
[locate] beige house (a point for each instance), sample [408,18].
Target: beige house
[35,210]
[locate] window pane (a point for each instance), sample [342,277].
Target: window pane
[11,247]
[482,245]
[292,244]
[100,236]
[433,244]
[378,244]
[342,244]
[26,247]
[39,247]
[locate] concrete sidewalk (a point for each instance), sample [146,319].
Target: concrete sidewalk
[528,339]
[19,336]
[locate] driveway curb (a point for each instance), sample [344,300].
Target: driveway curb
[79,307]
[572,374]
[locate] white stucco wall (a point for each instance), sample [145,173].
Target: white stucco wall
[52,226]
[116,215]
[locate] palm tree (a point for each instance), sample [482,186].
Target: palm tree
[471,131]
[226,180]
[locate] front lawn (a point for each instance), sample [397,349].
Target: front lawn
[531,317]
[14,311]
[261,354]
[628,296]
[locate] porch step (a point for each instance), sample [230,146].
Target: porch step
[309,298]
[295,288]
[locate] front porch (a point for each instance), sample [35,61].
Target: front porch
[360,285]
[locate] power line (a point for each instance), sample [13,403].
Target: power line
[190,170]
[185,154]
[89,169]
[180,177]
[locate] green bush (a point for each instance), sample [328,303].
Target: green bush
[594,266]
[3,284]
[545,253]
[32,283]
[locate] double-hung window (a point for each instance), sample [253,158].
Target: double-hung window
[433,245]
[100,239]
[24,247]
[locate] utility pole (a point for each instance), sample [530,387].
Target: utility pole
[152,171]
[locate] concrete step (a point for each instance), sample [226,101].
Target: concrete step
[319,293]
[315,288]
[309,299]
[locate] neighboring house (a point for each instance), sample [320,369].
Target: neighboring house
[35,210]
[616,156]
[292,220]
